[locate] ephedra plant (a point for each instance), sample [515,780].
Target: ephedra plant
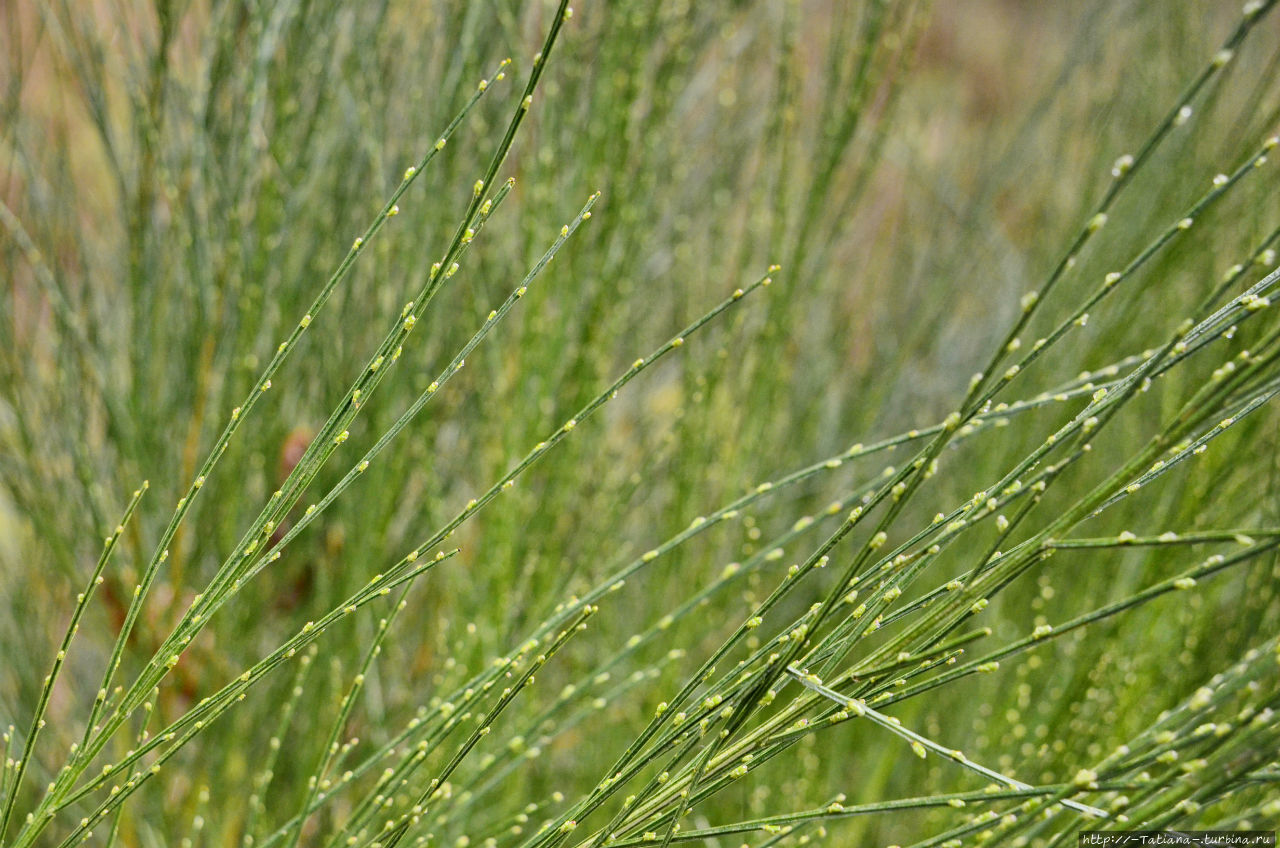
[534,505]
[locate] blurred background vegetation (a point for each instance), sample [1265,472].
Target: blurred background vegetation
[191,172]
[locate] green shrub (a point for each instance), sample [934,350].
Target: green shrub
[957,524]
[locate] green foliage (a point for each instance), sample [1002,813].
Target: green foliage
[957,524]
